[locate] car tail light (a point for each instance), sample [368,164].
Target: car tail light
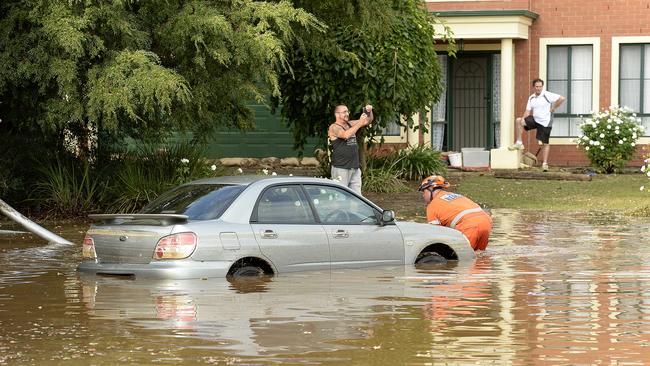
[177,246]
[88,248]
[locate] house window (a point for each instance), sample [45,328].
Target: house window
[570,74]
[393,127]
[634,80]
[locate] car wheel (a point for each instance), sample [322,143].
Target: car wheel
[248,271]
[430,258]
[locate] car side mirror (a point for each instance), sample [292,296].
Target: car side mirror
[387,216]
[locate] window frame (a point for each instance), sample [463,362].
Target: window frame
[304,199]
[594,42]
[617,42]
[375,210]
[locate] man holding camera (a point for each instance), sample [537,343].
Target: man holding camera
[345,151]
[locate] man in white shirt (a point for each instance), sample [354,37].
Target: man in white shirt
[539,116]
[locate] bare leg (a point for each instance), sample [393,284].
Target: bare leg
[519,124]
[545,149]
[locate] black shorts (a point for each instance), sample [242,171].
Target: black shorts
[543,133]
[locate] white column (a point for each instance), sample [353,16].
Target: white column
[412,134]
[503,158]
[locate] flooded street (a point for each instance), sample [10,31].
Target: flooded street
[552,288]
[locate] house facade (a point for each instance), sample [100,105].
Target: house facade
[596,54]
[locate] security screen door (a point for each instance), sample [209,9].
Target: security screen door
[469,102]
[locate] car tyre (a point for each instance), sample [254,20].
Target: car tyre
[430,258]
[248,271]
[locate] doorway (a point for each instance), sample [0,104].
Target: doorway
[470,101]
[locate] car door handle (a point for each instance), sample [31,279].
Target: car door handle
[269,234]
[340,234]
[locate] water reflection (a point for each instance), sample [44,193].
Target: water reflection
[551,289]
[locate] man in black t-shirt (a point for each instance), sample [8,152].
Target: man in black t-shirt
[345,151]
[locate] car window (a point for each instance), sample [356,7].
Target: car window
[284,205]
[337,206]
[197,201]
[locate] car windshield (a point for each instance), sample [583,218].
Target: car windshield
[197,201]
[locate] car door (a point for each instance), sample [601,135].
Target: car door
[287,232]
[355,236]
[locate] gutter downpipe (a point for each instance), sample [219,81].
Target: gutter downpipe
[31,226]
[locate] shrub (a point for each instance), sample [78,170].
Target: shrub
[380,180]
[420,161]
[609,138]
[143,174]
[412,163]
[135,185]
[69,188]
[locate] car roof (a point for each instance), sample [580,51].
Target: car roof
[269,179]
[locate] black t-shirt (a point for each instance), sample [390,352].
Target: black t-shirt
[345,153]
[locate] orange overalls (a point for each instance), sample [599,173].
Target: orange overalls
[460,213]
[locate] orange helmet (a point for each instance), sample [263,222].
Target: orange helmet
[433,182]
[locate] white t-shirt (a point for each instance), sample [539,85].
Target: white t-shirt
[541,106]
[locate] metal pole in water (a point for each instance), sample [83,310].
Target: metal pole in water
[28,224]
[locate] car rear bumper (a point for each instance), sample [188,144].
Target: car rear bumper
[181,269]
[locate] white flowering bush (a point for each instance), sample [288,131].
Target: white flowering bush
[189,170]
[609,138]
[646,169]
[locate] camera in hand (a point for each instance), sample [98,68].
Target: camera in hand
[366,111]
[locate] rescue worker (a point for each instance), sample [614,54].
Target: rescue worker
[455,211]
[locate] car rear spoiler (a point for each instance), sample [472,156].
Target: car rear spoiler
[160,219]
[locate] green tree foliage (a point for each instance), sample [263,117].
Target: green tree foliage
[374,51]
[138,68]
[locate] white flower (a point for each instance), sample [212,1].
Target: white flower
[213,167]
[602,135]
[616,132]
[291,175]
[609,127]
[585,138]
[596,143]
[633,144]
[641,188]
[602,147]
[587,148]
[184,161]
[274,173]
[239,170]
[265,171]
[620,142]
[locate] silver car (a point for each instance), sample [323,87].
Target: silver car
[261,225]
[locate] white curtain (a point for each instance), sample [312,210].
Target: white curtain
[438,110]
[581,79]
[630,76]
[576,76]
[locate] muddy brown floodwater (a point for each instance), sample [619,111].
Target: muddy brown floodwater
[569,288]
